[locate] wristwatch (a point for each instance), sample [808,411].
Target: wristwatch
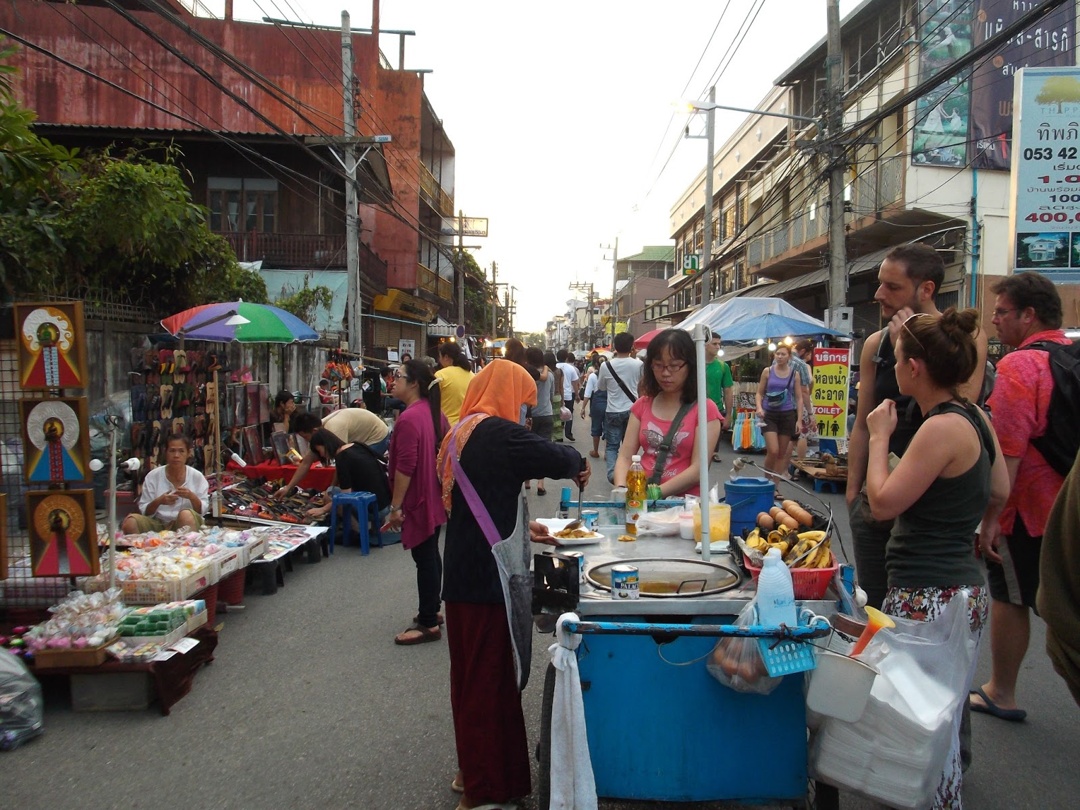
[394,509]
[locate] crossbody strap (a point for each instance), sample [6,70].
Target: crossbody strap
[665,445]
[622,385]
[472,497]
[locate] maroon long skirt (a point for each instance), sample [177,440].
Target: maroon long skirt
[489,725]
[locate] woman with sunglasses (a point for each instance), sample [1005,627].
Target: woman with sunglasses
[951,478]
[668,394]
[416,508]
[780,398]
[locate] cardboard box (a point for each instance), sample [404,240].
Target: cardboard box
[111,692]
[59,659]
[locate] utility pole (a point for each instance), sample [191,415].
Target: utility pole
[706,259]
[494,297]
[614,310]
[835,153]
[588,288]
[352,226]
[460,265]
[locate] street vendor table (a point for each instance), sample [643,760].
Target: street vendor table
[659,726]
[169,680]
[318,477]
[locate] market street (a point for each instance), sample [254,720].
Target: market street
[310,704]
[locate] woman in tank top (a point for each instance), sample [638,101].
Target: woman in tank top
[951,477]
[780,396]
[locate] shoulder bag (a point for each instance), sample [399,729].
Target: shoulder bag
[622,385]
[665,445]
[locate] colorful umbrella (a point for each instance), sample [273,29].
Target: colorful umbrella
[239,321]
[644,341]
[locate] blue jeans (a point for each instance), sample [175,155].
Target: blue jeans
[614,430]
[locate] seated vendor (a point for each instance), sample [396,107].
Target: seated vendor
[350,425]
[174,496]
[284,409]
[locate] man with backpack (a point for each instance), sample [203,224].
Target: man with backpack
[1027,315]
[619,379]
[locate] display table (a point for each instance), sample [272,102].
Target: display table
[318,477]
[100,689]
[834,479]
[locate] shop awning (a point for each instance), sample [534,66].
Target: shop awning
[402,305]
[442,328]
[778,288]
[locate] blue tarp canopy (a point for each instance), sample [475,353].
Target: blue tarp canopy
[742,319]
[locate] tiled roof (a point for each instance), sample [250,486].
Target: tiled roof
[652,253]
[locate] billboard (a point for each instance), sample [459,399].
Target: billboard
[1045,194]
[829,398]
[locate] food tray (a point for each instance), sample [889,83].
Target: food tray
[58,659]
[809,583]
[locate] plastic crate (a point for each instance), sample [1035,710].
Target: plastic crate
[226,562]
[154,591]
[809,583]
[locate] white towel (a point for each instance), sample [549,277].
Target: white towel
[572,784]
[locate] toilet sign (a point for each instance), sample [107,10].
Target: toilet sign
[691,263]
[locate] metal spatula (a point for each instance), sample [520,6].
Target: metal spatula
[575,524]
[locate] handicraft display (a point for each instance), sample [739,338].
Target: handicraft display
[56,441]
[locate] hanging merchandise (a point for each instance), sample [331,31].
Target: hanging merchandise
[746,435]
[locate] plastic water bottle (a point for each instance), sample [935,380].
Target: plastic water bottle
[636,492]
[775,592]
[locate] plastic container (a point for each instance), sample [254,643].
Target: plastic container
[840,686]
[635,494]
[775,592]
[719,523]
[686,525]
[747,497]
[809,583]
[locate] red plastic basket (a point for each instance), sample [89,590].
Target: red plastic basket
[809,583]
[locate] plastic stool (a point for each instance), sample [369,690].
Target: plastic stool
[366,507]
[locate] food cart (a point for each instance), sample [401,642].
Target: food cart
[659,726]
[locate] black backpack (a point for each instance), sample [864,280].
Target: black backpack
[1061,441]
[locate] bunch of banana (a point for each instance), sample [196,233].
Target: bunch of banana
[816,546]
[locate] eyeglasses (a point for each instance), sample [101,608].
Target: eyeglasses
[1001,313]
[668,368]
[399,376]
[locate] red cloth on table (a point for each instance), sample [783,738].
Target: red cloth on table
[489,725]
[319,478]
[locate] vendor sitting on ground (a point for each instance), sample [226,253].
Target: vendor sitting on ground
[351,425]
[174,497]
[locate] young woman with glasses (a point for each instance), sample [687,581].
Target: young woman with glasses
[669,381]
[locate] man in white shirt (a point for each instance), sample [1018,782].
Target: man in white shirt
[619,378]
[571,383]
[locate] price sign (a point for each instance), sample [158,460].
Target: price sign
[1045,216]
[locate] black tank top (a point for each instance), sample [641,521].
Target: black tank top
[908,415]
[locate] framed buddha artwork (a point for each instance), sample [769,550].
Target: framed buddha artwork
[52,345]
[56,440]
[63,534]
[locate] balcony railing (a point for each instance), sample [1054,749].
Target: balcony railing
[308,251]
[437,197]
[877,186]
[441,288]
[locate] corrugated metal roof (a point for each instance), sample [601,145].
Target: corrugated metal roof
[777,289]
[651,253]
[280,283]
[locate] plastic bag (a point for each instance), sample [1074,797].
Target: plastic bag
[895,752]
[21,704]
[737,663]
[663,524]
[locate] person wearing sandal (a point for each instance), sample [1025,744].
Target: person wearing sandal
[482,464]
[595,401]
[416,509]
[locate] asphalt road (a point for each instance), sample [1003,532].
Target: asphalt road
[310,704]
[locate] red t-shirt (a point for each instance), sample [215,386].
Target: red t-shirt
[1019,404]
[653,431]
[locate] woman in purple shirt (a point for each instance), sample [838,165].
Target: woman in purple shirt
[416,507]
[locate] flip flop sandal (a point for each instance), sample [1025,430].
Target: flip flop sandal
[423,635]
[179,426]
[456,786]
[439,616]
[166,401]
[991,708]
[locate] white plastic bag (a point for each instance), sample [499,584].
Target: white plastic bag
[664,523]
[896,751]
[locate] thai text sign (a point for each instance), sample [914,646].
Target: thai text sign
[1045,217]
[832,373]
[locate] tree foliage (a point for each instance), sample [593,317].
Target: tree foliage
[104,226]
[304,303]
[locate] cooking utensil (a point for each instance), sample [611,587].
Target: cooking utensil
[575,524]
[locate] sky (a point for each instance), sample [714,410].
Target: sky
[563,114]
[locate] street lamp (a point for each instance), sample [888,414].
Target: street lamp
[710,107]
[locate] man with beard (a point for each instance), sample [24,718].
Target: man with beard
[908,280]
